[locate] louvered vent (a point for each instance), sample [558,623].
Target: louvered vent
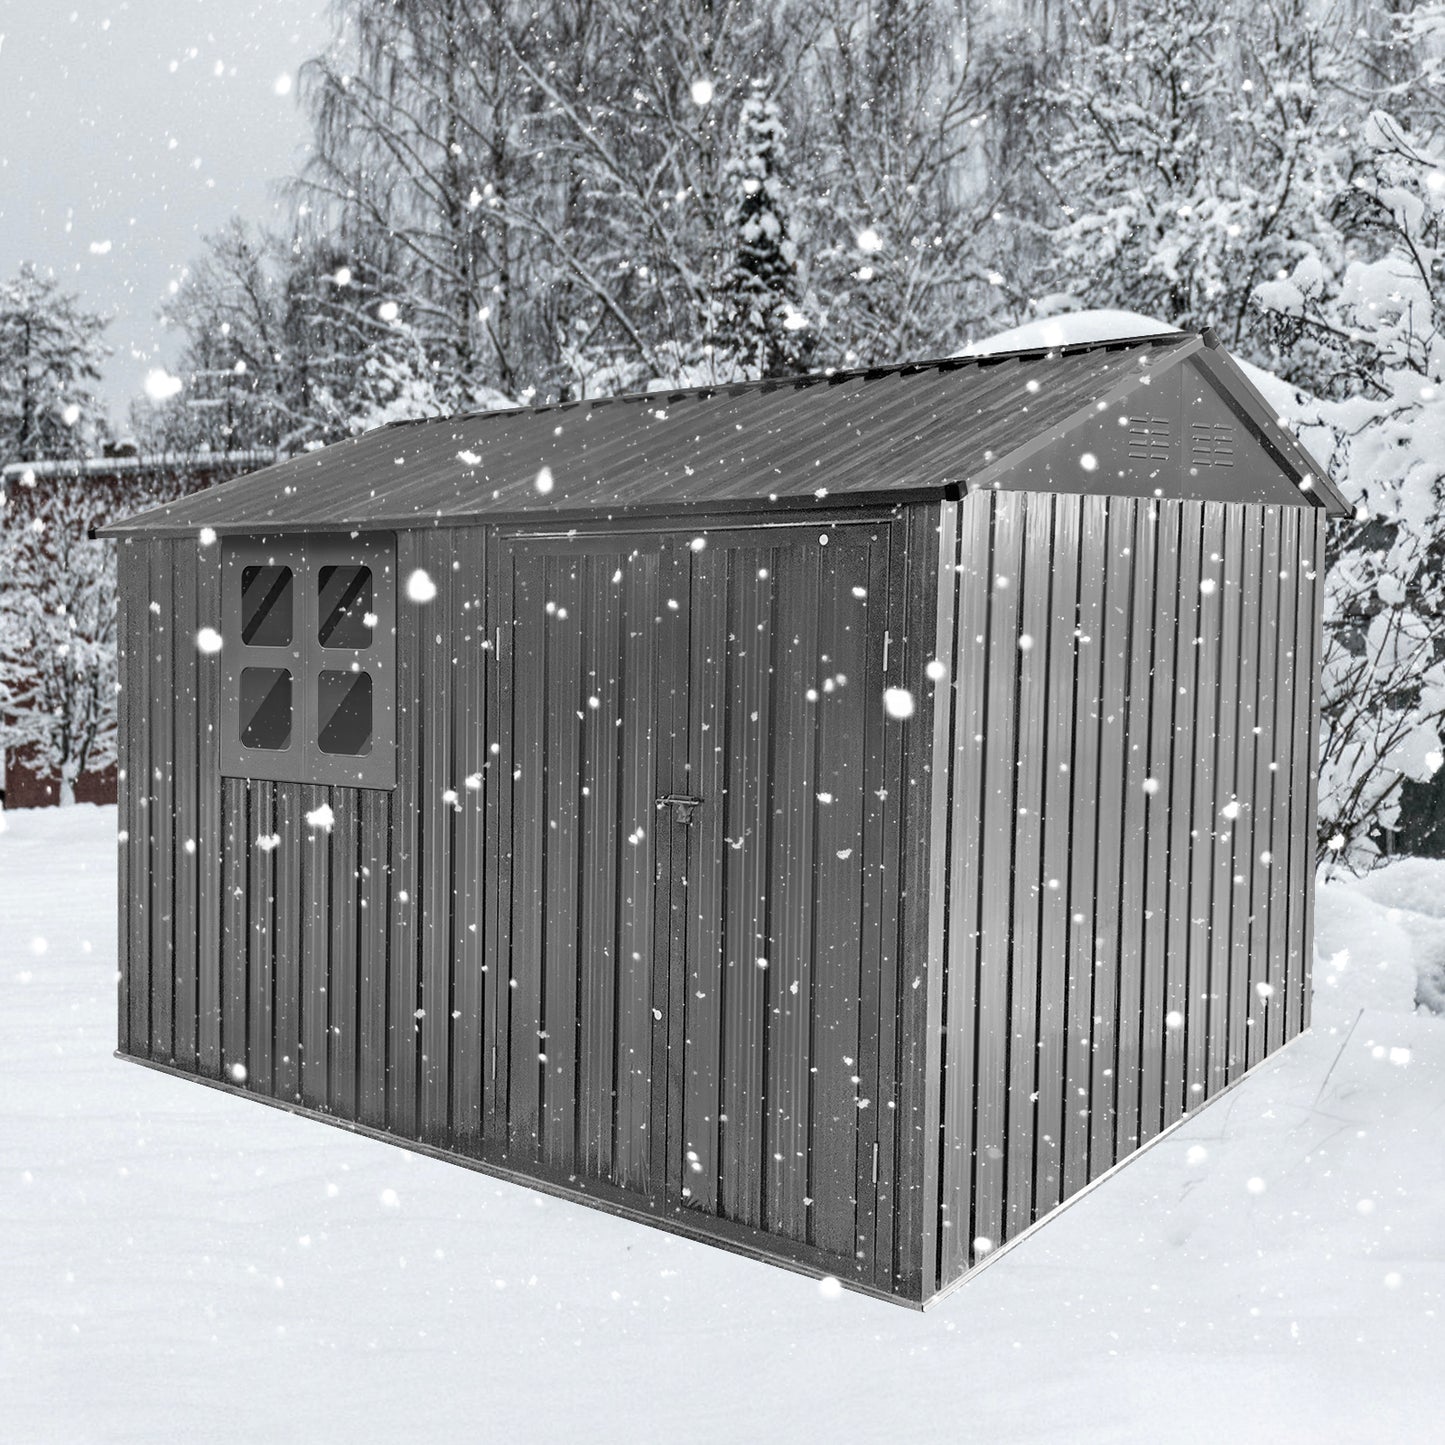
[1211,444]
[1149,438]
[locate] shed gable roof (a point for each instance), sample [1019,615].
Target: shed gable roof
[928,428]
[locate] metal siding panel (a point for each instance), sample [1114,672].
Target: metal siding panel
[529,672]
[1054,925]
[1226,740]
[1116,639]
[1134,897]
[1317,559]
[318,904]
[1199,1014]
[374,890]
[641,603]
[1034,584]
[124,605]
[712,972]
[967,678]
[566,707]
[471,861]
[161,786]
[403,985]
[742,1138]
[344,943]
[838,880]
[290,908]
[209,838]
[134,797]
[260,955]
[1251,625]
[1084,770]
[1154,1032]
[915,1146]
[995,922]
[1260,864]
[497,879]
[882,743]
[793,772]
[601,773]
[435,686]
[1303,764]
[184,762]
[669,980]
[1281,774]
[236,835]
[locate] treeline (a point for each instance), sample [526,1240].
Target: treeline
[507,201]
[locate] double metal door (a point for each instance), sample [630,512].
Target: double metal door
[691,724]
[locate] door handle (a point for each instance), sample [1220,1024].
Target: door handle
[681,804]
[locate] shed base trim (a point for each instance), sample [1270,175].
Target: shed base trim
[708,1233]
[972,1272]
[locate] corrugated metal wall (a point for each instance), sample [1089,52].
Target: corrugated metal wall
[428,965]
[1130,850]
[1075,818]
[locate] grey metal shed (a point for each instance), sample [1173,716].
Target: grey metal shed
[835,818]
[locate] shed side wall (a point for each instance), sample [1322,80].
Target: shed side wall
[1131,845]
[361,971]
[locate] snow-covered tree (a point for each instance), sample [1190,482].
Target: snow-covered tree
[1199,145]
[57,633]
[51,351]
[761,320]
[1378,325]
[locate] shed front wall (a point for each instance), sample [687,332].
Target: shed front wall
[1130,858]
[393,972]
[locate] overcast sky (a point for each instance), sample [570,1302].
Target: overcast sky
[129,129]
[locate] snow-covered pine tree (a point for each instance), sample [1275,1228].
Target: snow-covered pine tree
[51,351]
[762,327]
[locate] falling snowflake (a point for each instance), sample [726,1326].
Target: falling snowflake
[321,817]
[702,92]
[420,587]
[160,385]
[208,640]
[898,702]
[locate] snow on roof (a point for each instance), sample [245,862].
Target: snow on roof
[26,472]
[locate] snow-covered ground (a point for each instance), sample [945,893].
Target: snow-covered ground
[179,1264]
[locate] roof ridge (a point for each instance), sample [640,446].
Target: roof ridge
[810,378]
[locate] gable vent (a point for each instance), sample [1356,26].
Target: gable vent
[1211,444]
[1149,438]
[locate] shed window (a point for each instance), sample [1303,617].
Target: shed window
[266,708]
[309,654]
[344,607]
[344,711]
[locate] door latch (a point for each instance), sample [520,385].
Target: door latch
[681,804]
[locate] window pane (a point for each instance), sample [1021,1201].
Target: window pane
[266,606]
[344,597]
[265,708]
[344,713]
